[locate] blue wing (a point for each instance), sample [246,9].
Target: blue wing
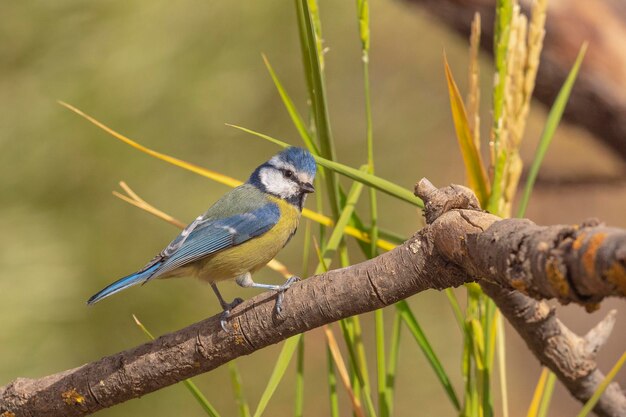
[203,237]
[212,236]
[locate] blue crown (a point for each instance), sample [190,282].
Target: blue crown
[300,158]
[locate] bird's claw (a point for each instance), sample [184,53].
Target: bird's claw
[226,313]
[281,293]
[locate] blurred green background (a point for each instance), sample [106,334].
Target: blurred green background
[170,74]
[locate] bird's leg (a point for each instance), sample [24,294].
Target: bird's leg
[246,281]
[225,306]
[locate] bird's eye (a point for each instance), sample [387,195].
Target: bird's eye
[288,173]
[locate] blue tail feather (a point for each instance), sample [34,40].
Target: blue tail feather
[123,283]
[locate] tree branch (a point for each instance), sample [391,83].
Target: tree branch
[571,357]
[460,244]
[598,101]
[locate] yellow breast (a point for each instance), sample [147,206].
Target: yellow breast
[254,253]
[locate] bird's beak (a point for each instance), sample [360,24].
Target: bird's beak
[307,187]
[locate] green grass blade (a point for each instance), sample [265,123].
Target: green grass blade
[291,109]
[493,206]
[143,328]
[332,385]
[392,366]
[474,168]
[348,334]
[504,14]
[472,374]
[456,307]
[364,34]
[314,11]
[554,118]
[363,15]
[362,366]
[368,179]
[304,48]
[409,319]
[193,389]
[335,238]
[289,348]
[602,387]
[317,91]
[357,223]
[347,330]
[306,249]
[382,375]
[490,326]
[478,338]
[200,398]
[240,399]
[299,406]
[466,369]
[383,404]
[319,205]
[351,331]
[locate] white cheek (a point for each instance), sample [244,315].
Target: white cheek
[275,183]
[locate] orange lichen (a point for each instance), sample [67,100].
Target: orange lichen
[556,278]
[519,285]
[72,397]
[616,275]
[578,243]
[589,255]
[8,414]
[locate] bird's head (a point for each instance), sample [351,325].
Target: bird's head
[288,175]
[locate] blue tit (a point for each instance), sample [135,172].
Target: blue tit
[239,234]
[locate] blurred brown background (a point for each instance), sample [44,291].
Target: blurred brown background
[170,75]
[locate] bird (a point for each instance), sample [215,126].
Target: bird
[238,234]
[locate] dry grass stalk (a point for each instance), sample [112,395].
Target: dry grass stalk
[342,370]
[513,96]
[536,34]
[524,49]
[473,97]
[514,100]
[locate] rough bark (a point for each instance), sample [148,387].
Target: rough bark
[598,101]
[456,247]
[571,357]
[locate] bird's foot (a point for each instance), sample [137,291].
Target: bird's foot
[226,313]
[281,293]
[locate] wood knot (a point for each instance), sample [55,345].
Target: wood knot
[437,201]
